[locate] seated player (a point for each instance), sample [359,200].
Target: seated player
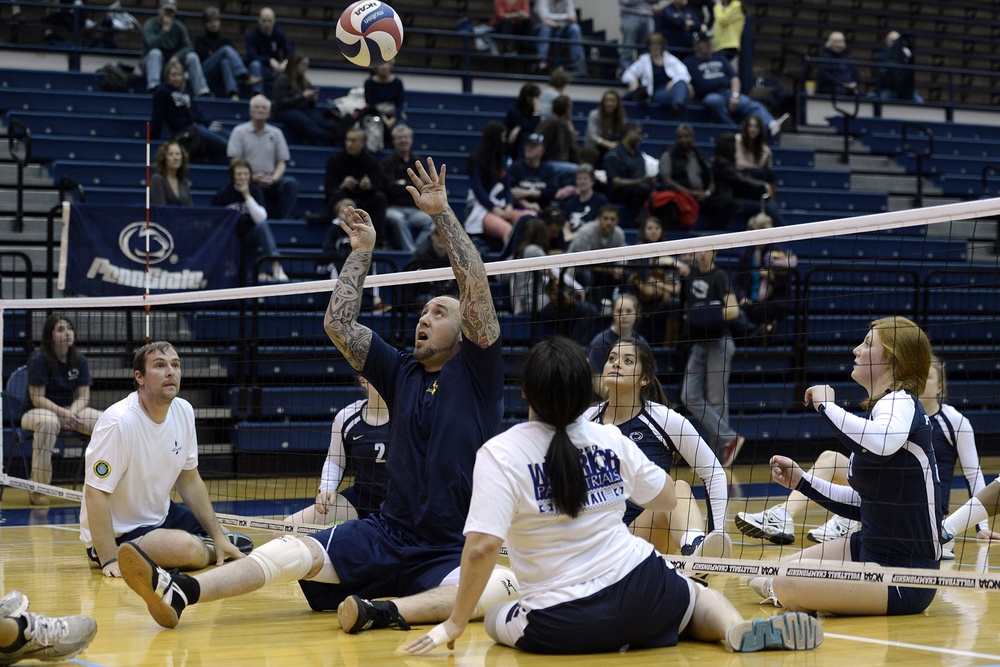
[359,441]
[637,405]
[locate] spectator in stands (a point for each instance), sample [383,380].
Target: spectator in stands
[624,318]
[430,253]
[582,207]
[736,196]
[558,80]
[176,115]
[628,182]
[489,201]
[763,281]
[709,305]
[558,230]
[295,105]
[219,59]
[533,182]
[637,24]
[684,169]
[336,244]
[680,26]
[58,397]
[551,295]
[405,219]
[728,28]
[355,173]
[557,19]
[896,83]
[605,126]
[384,95]
[837,71]
[243,195]
[512,17]
[658,78]
[165,40]
[268,48]
[265,148]
[601,279]
[169,184]
[657,284]
[561,149]
[718,86]
[522,118]
[753,155]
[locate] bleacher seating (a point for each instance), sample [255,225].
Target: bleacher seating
[290,378]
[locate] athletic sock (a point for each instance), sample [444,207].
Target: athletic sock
[965,517]
[189,585]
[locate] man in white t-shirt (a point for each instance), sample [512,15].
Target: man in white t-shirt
[142,447]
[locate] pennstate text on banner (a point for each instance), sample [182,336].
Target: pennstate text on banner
[189,249]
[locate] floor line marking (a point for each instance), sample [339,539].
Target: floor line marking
[919,647]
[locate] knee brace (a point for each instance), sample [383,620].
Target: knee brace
[501,587]
[283,560]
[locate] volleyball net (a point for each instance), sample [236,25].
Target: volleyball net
[266,382]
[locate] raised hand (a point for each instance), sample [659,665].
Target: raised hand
[428,190]
[820,393]
[785,471]
[359,228]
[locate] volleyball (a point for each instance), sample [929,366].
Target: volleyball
[369,33]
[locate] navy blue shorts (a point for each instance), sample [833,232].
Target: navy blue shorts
[375,560]
[179,517]
[902,600]
[649,608]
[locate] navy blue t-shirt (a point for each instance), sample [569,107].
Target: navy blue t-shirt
[578,213]
[709,76]
[61,386]
[437,423]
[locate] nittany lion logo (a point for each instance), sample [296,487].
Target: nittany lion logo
[635,436]
[102,469]
[132,242]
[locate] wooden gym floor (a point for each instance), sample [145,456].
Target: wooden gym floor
[43,557]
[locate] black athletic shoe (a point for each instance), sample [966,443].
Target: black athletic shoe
[356,614]
[166,594]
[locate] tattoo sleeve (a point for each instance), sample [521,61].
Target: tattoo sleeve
[479,318]
[341,320]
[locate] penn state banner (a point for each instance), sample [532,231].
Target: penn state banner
[103,251]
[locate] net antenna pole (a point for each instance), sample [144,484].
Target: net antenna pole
[145,295]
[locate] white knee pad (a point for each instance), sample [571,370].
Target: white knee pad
[501,587]
[283,560]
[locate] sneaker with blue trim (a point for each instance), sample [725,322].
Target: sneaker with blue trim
[50,638]
[238,540]
[166,594]
[792,631]
[13,604]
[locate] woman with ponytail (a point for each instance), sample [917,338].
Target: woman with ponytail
[554,489]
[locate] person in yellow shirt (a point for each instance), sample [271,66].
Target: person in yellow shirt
[729,22]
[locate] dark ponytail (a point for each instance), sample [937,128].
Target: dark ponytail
[557,384]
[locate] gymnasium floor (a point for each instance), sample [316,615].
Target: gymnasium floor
[42,556]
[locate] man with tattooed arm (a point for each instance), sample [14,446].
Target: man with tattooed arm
[445,400]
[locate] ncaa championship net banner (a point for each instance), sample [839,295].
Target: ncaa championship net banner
[103,250]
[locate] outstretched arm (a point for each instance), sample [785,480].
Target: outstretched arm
[341,321]
[479,318]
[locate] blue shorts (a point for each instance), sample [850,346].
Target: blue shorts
[179,517]
[649,608]
[375,560]
[902,600]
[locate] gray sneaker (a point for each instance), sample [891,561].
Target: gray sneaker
[13,604]
[793,631]
[52,638]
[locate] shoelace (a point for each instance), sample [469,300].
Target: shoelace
[45,630]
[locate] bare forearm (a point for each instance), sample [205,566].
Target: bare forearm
[479,318]
[195,496]
[341,321]
[102,530]
[478,559]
